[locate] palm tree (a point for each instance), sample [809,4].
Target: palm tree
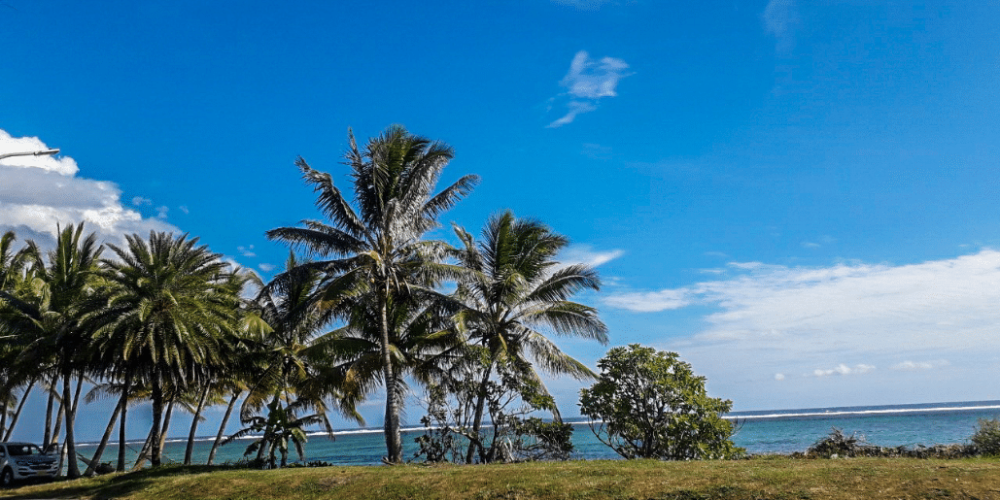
[170,319]
[277,430]
[53,321]
[379,240]
[293,361]
[514,293]
[13,277]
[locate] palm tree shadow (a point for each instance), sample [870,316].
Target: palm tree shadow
[117,486]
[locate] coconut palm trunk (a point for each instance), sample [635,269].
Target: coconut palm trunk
[123,407]
[48,411]
[222,427]
[94,462]
[140,459]
[17,412]
[393,441]
[477,417]
[167,415]
[73,470]
[157,421]
[194,424]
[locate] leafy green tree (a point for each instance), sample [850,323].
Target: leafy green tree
[379,241]
[512,293]
[171,317]
[649,404]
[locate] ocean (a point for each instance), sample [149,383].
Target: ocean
[760,432]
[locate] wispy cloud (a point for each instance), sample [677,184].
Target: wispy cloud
[266,267]
[583,4]
[246,251]
[781,19]
[39,192]
[785,319]
[184,209]
[585,254]
[575,108]
[843,369]
[161,212]
[140,201]
[910,366]
[587,82]
[651,301]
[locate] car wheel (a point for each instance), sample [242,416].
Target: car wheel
[7,478]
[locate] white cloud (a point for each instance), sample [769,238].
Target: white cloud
[37,193]
[766,318]
[266,267]
[140,201]
[246,251]
[587,82]
[781,19]
[650,301]
[62,165]
[779,376]
[810,244]
[584,254]
[161,212]
[590,79]
[583,4]
[184,209]
[909,366]
[843,369]
[575,108]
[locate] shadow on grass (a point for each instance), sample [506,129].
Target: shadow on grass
[112,486]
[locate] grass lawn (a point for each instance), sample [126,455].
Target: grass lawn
[760,478]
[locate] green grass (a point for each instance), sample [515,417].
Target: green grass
[759,479]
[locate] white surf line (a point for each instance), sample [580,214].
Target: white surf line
[862,412]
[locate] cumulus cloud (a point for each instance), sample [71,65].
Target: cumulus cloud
[587,82]
[39,192]
[843,369]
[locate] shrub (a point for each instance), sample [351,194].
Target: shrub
[987,437]
[649,404]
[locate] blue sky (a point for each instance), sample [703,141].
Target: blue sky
[798,197]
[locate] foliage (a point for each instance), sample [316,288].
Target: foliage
[649,404]
[838,444]
[279,429]
[376,246]
[513,436]
[512,293]
[987,437]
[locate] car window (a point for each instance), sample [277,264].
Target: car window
[22,450]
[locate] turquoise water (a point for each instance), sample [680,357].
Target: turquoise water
[759,432]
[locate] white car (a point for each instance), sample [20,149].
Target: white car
[22,461]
